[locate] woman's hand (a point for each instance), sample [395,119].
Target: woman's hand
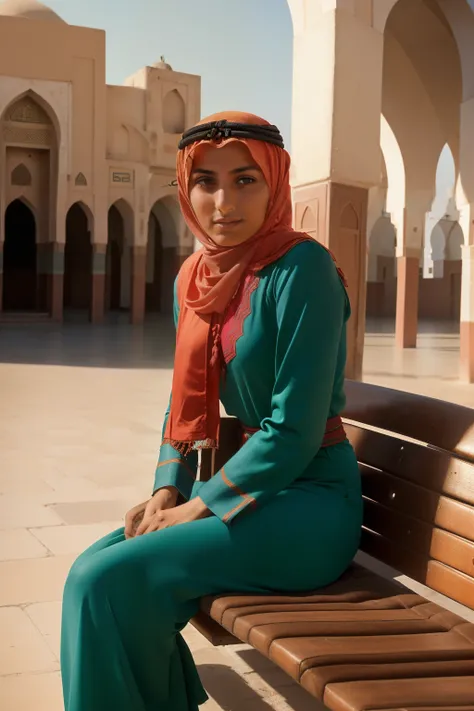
[164,518]
[163,499]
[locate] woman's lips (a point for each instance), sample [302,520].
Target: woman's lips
[227,224]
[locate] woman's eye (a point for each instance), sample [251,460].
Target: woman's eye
[245,180]
[204,181]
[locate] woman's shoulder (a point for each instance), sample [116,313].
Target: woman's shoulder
[307,257]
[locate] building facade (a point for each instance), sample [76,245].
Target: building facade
[380,89]
[89,218]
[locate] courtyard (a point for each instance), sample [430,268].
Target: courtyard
[79,436]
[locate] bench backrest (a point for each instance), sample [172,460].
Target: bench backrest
[416,457]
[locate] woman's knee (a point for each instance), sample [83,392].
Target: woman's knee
[98,573]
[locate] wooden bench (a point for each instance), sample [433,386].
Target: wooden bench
[366,641]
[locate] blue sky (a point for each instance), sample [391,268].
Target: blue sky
[242,49]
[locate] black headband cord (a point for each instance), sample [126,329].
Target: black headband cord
[220,130]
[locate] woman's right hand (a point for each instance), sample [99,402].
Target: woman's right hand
[165,498]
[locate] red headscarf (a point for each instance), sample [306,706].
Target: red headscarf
[207,282]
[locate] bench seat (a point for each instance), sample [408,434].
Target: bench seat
[366,643]
[346,644]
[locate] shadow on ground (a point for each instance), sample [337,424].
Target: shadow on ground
[114,344]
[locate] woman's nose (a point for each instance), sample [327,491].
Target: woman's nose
[223,201]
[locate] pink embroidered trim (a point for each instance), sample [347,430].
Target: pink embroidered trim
[238,311]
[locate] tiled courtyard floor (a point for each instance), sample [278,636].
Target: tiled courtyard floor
[80,418]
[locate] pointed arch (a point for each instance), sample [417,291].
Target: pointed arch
[174,112]
[20,257]
[44,110]
[163,259]
[78,258]
[81,180]
[309,221]
[120,222]
[21,176]
[349,218]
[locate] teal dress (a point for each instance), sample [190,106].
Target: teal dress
[286,512]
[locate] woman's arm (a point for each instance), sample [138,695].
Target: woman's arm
[173,469]
[311,309]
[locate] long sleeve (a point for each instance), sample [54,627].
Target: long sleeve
[173,469]
[311,307]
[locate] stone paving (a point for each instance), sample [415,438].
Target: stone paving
[80,426]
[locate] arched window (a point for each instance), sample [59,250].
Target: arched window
[21,175]
[174,113]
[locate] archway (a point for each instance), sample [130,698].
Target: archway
[77,259]
[154,265]
[118,275]
[19,258]
[163,259]
[382,270]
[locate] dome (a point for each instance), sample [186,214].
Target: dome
[163,65]
[29,10]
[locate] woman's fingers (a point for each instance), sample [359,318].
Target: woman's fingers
[142,528]
[130,519]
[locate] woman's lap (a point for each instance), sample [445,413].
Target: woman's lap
[267,549]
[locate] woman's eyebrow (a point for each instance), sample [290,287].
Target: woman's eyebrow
[245,168]
[235,171]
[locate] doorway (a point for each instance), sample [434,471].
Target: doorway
[77,260]
[19,258]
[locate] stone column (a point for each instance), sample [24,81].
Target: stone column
[43,274]
[467,314]
[138,283]
[56,281]
[337,96]
[337,215]
[99,252]
[408,279]
[409,252]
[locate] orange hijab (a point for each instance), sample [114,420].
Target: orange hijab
[208,281]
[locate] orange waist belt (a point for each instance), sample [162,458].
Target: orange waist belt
[334,433]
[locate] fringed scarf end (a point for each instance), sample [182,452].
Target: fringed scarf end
[185,448]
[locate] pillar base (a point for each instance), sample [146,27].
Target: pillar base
[98,298]
[138,288]
[408,279]
[57,297]
[336,216]
[98,283]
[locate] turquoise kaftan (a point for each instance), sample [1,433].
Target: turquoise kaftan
[287,514]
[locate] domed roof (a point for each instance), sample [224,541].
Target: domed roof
[163,65]
[29,10]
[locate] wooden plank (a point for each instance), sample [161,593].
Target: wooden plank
[212,631]
[416,501]
[434,574]
[429,468]
[441,424]
[451,583]
[415,535]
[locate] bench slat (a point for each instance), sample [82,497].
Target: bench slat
[418,502]
[441,424]
[430,468]
[413,534]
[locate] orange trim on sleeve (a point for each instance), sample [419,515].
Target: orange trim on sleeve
[234,510]
[246,498]
[178,461]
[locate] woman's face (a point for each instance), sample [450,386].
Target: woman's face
[228,193]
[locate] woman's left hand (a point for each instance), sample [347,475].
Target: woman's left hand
[185,513]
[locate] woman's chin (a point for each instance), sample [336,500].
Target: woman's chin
[229,237]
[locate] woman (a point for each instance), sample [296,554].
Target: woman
[260,313]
